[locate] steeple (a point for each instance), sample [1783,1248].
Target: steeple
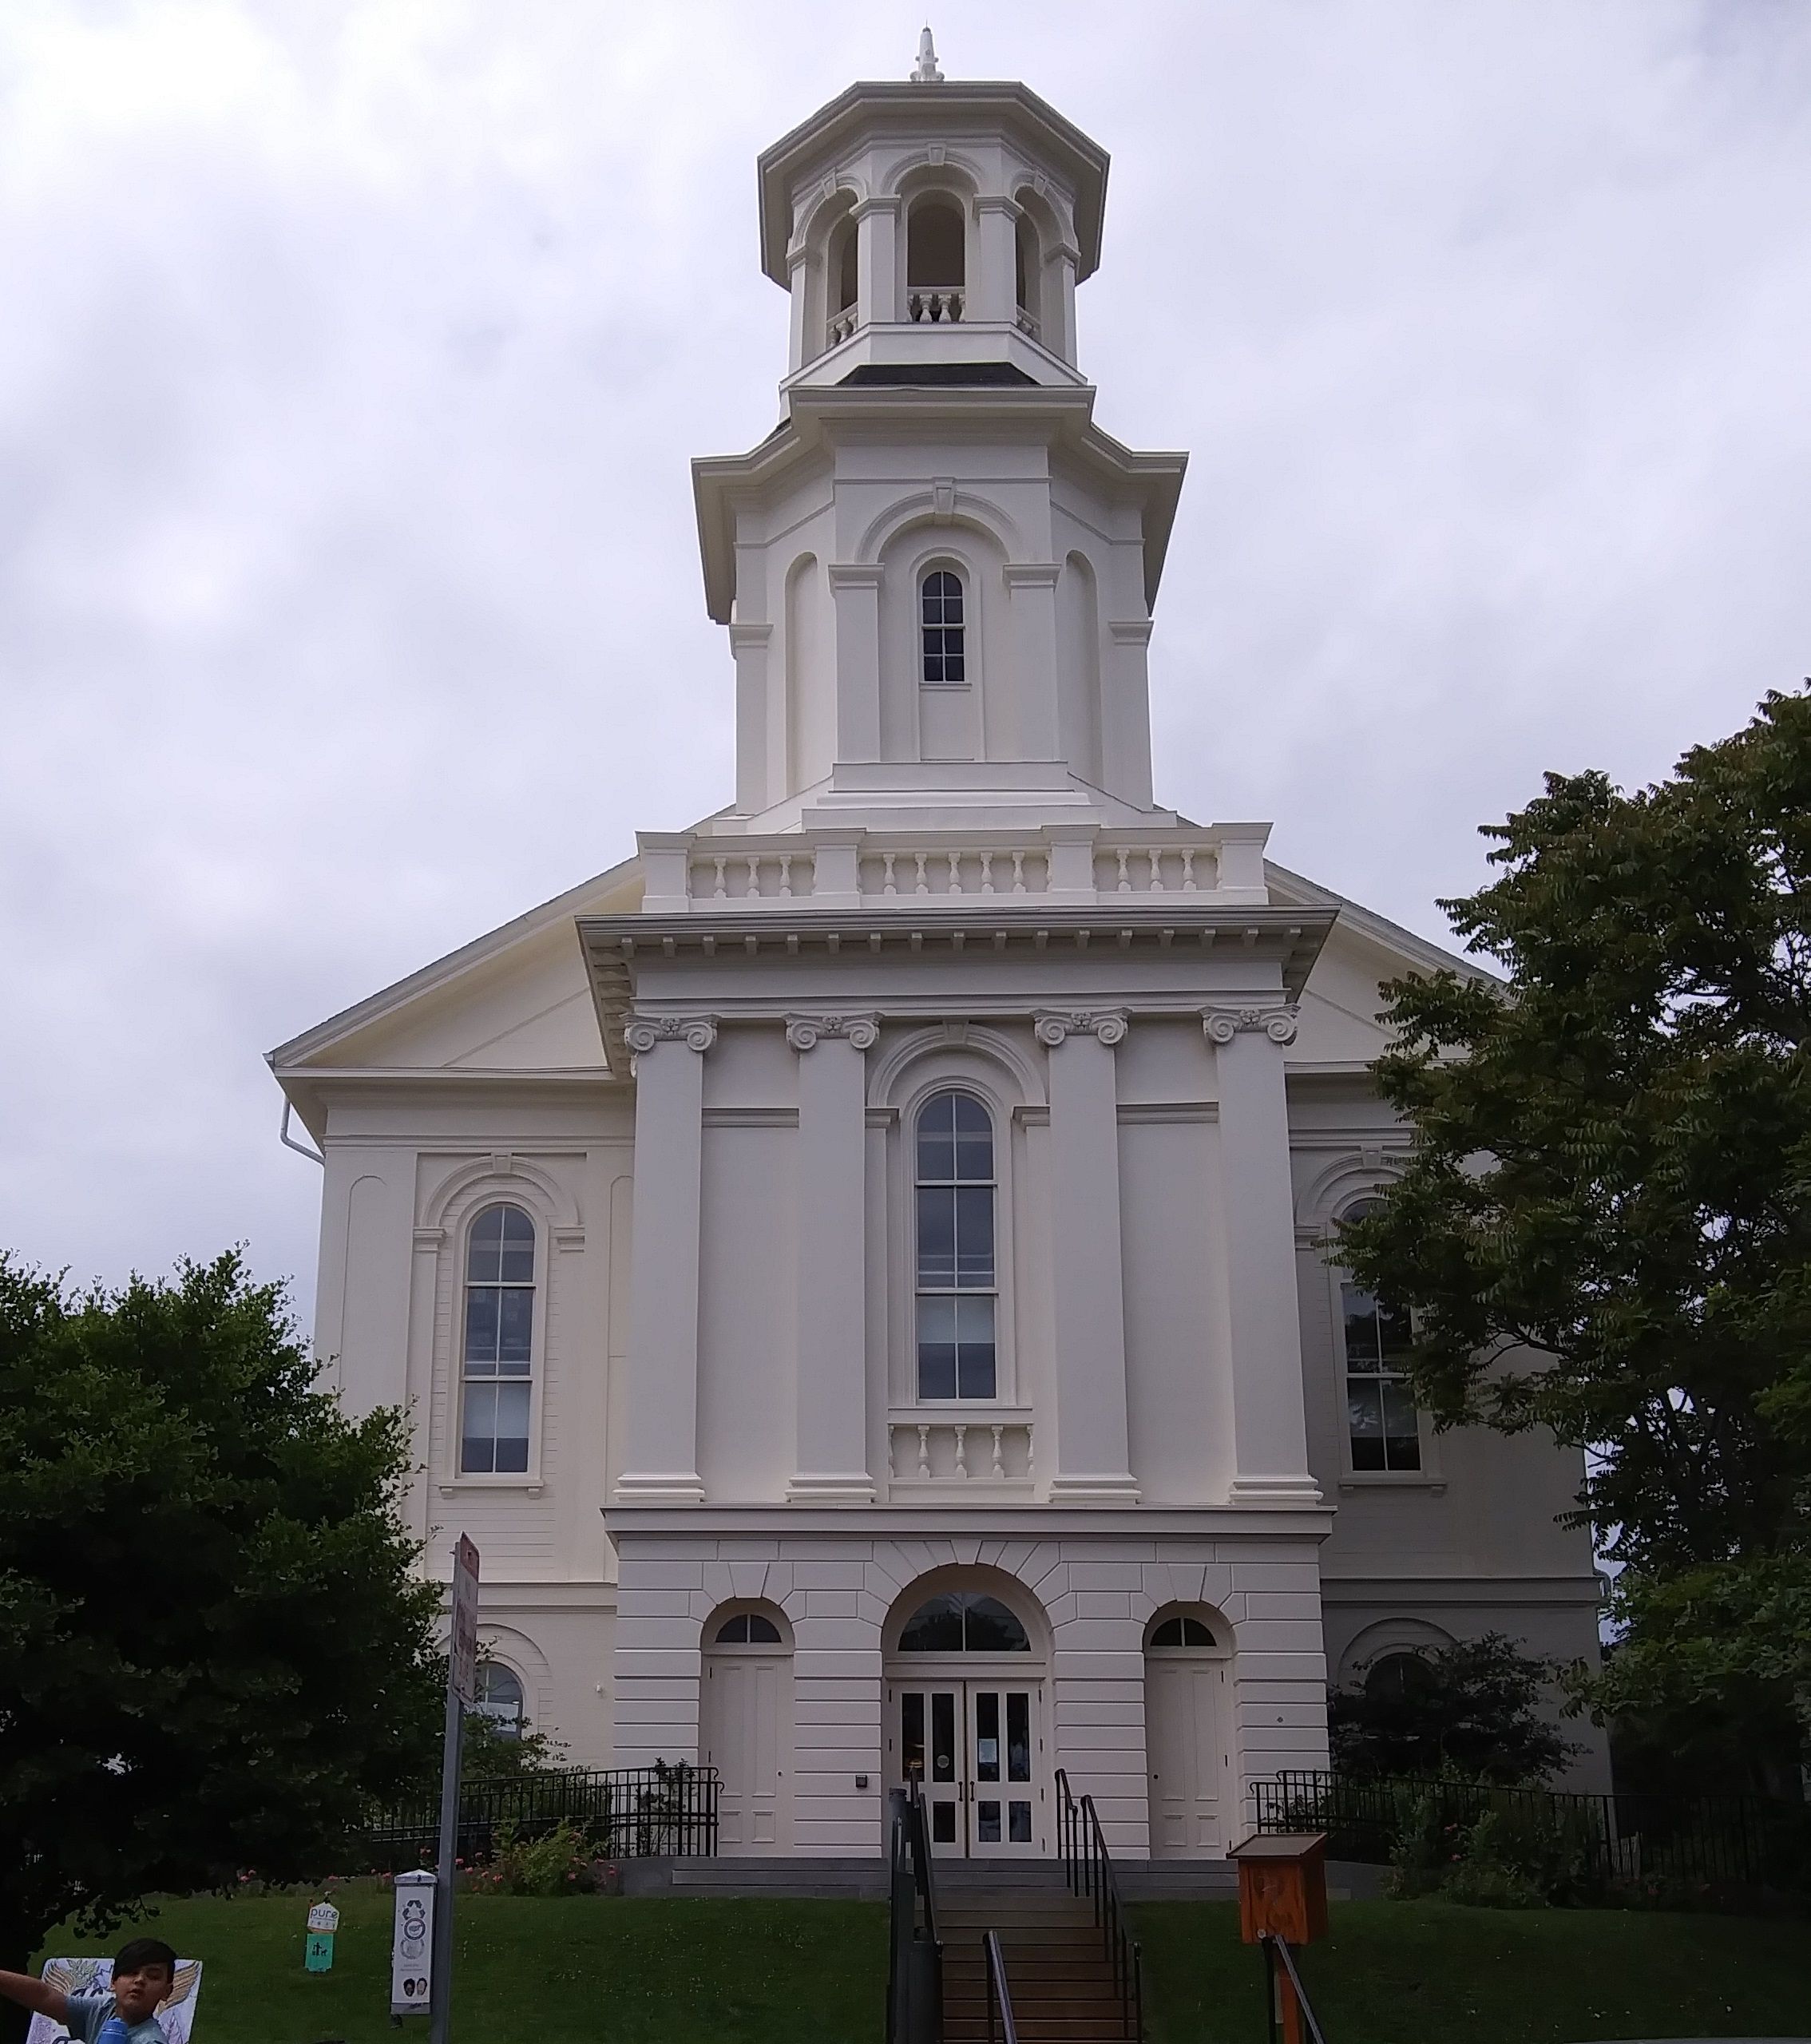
[937,573]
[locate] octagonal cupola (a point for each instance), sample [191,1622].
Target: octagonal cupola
[931,225]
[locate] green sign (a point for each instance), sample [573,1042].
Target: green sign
[320,1951]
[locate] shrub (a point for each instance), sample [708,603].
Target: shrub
[557,1863]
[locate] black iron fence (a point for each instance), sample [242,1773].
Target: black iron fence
[1592,1845]
[627,1813]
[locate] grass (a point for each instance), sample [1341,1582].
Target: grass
[1391,1971]
[749,1972]
[541,1972]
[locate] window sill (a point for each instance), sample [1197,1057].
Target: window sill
[531,1486]
[1393,1479]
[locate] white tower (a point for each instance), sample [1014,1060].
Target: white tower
[937,572]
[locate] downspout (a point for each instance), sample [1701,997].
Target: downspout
[290,1142]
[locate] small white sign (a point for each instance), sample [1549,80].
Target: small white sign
[465,1621]
[95,1976]
[411,1951]
[323,1916]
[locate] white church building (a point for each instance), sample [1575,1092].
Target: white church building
[859,1268]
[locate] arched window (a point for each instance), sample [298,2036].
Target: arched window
[936,257]
[494,1433]
[1182,1631]
[1398,1678]
[1383,1424]
[963,1622]
[956,1280]
[499,1698]
[842,282]
[747,1628]
[1026,273]
[942,630]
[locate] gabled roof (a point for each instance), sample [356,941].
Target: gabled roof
[1414,951]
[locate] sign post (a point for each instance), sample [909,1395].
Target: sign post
[461,1690]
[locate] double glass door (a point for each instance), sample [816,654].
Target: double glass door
[976,1749]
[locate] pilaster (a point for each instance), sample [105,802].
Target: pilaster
[855,589]
[877,261]
[1270,1424]
[994,293]
[1092,1454]
[1031,585]
[756,783]
[661,1444]
[830,1455]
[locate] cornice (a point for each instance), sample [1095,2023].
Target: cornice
[1268,1523]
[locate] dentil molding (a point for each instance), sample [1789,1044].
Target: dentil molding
[1279,1024]
[804,1032]
[1107,1026]
[697,1032]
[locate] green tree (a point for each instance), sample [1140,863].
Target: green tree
[1476,1707]
[214,1642]
[1605,1225]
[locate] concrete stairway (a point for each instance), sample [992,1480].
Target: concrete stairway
[1057,1971]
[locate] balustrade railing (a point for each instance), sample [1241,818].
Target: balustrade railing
[989,1447]
[843,324]
[1088,1867]
[940,306]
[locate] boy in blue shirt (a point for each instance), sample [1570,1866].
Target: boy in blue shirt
[143,1973]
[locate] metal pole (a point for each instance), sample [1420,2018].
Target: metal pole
[440,2014]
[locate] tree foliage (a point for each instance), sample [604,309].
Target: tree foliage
[1605,1226]
[1475,1707]
[214,1643]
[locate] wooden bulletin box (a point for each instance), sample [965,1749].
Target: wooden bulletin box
[1282,1886]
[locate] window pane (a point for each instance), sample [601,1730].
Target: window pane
[968,1117]
[478,1444]
[987,1824]
[1360,1328]
[943,1735]
[1195,1633]
[485,1250]
[955,667]
[733,1632]
[990,1628]
[912,1733]
[1018,1741]
[935,1627]
[512,1428]
[943,1824]
[987,1735]
[1168,1633]
[762,1632]
[974,1235]
[517,1227]
[482,1308]
[974,1158]
[974,1336]
[1363,1408]
[1395,1334]
[1400,1428]
[937,1234]
[1020,1817]
[937,1347]
[515,1318]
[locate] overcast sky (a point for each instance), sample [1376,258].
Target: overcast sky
[351,358]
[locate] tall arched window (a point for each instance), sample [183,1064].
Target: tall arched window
[1383,1424]
[957,1286]
[493,1431]
[500,1698]
[935,260]
[942,630]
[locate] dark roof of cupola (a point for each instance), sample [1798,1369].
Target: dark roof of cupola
[899,376]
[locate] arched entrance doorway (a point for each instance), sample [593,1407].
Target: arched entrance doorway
[745,1725]
[965,1699]
[1188,1724]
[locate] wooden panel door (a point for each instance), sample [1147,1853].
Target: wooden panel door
[1187,1724]
[747,1732]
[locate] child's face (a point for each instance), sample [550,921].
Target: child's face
[138,1993]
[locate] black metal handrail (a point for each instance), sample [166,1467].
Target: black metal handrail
[1277,1948]
[1089,1869]
[914,1993]
[999,1994]
[626,1813]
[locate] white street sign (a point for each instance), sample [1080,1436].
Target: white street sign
[465,1621]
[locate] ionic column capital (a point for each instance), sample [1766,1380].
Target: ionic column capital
[1053,1026]
[804,1032]
[1279,1024]
[697,1032]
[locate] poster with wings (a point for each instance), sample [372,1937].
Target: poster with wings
[94,1976]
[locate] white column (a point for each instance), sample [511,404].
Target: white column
[660,1432]
[799,275]
[993,290]
[1092,1456]
[1270,1425]
[855,588]
[877,261]
[830,1457]
[755,782]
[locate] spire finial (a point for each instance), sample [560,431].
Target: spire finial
[926,72]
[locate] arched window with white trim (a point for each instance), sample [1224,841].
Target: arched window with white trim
[497,1352]
[1383,1423]
[499,1698]
[942,630]
[957,1284]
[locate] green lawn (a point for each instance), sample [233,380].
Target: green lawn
[731,1972]
[553,1972]
[1390,1972]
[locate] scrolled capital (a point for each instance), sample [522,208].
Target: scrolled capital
[700,1033]
[1107,1026]
[802,1031]
[1050,1030]
[1109,1029]
[863,1032]
[1278,1023]
[642,1032]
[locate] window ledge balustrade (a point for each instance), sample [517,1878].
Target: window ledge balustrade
[935,1450]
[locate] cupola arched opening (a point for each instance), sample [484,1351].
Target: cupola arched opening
[1026,275]
[936,259]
